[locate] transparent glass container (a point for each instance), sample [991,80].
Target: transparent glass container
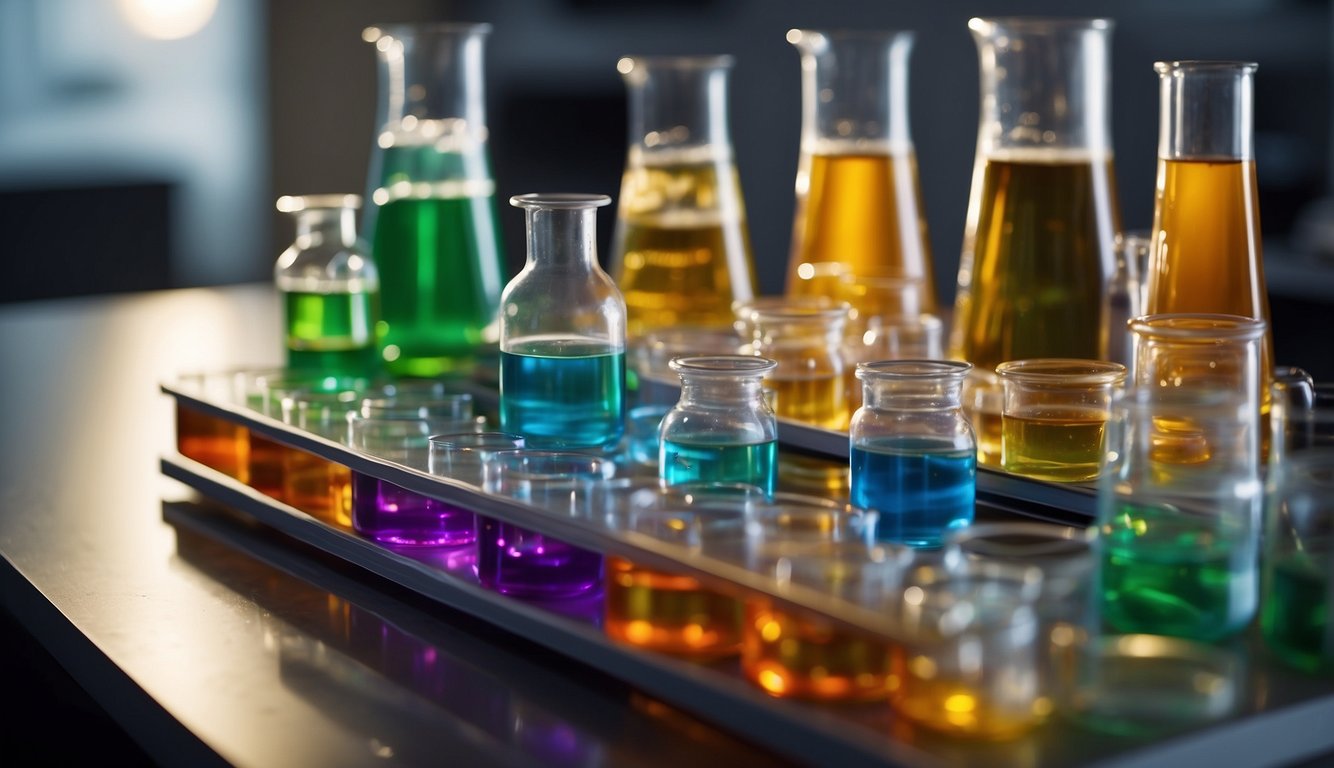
[1039,244]
[1206,255]
[859,202]
[682,251]
[913,452]
[432,222]
[1054,419]
[562,332]
[805,341]
[722,430]
[330,289]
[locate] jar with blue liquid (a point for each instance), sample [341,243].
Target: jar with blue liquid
[562,332]
[722,430]
[913,452]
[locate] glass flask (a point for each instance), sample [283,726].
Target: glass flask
[1054,417]
[432,223]
[562,332]
[1178,513]
[330,288]
[1206,253]
[913,452]
[1040,238]
[859,203]
[806,342]
[682,251]
[722,430]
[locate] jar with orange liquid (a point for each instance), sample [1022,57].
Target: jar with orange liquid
[1206,255]
[859,203]
[806,341]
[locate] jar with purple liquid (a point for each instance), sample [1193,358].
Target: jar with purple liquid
[517,561]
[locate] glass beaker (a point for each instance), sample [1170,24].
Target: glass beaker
[1297,615]
[913,453]
[1040,238]
[722,430]
[859,203]
[1178,513]
[806,342]
[314,485]
[562,332]
[432,221]
[1054,419]
[1206,253]
[984,400]
[682,251]
[330,289]
[903,337]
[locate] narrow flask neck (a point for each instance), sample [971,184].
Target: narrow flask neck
[562,238]
[919,394]
[1205,110]
[1045,84]
[430,81]
[326,225]
[854,89]
[678,105]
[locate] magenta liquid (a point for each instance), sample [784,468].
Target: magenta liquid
[515,561]
[389,514]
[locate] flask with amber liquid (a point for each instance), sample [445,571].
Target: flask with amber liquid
[682,253]
[859,203]
[1040,237]
[1206,255]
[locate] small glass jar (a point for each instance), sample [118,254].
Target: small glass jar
[806,342]
[1054,419]
[913,452]
[314,485]
[722,430]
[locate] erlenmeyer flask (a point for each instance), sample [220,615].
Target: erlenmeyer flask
[1040,239]
[1206,224]
[682,253]
[859,205]
[432,218]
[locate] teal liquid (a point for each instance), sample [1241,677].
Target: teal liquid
[685,462]
[438,252]
[563,393]
[1295,619]
[331,333]
[1165,575]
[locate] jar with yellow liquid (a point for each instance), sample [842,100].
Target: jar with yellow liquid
[682,251]
[806,340]
[1040,237]
[1054,417]
[859,202]
[1206,255]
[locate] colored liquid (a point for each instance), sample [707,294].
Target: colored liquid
[1296,615]
[669,613]
[818,400]
[683,254]
[1039,255]
[987,427]
[266,459]
[813,475]
[516,561]
[392,515]
[331,333]
[942,701]
[923,489]
[563,393]
[313,485]
[438,251]
[791,656]
[214,442]
[863,211]
[1167,574]
[684,462]
[1061,445]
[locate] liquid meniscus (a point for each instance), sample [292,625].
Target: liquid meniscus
[566,392]
[922,489]
[686,462]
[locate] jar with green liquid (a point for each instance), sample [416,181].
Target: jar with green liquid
[432,220]
[329,288]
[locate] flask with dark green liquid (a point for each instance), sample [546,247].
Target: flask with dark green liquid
[431,219]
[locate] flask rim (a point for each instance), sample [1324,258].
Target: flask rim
[798,312]
[376,32]
[1048,541]
[323,201]
[628,62]
[1059,370]
[913,370]
[550,465]
[797,35]
[559,201]
[722,366]
[985,25]
[1201,327]
[1229,66]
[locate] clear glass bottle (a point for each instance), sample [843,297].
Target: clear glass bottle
[859,203]
[432,224]
[682,250]
[330,289]
[1040,238]
[722,430]
[562,332]
[805,340]
[1206,253]
[913,452]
